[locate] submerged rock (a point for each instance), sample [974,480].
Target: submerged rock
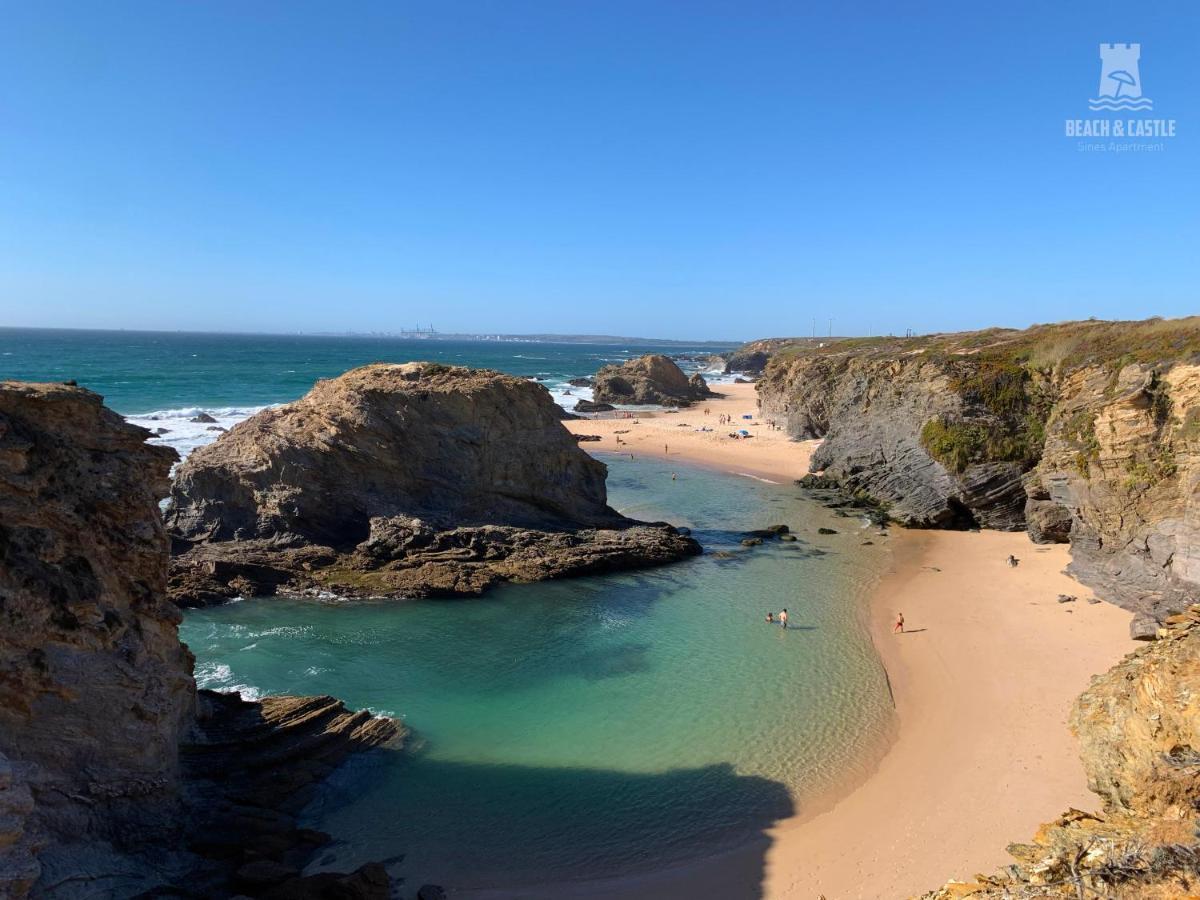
[650,379]
[415,480]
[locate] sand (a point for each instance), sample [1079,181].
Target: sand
[768,454]
[983,681]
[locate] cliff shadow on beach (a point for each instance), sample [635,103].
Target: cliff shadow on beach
[492,830]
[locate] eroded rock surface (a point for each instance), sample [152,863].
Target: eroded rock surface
[99,734]
[650,379]
[414,480]
[1086,432]
[95,687]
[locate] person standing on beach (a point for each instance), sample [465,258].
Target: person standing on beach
[666,450]
[899,623]
[783,618]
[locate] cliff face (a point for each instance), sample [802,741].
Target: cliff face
[1139,730]
[400,480]
[650,379]
[100,794]
[1086,432]
[95,688]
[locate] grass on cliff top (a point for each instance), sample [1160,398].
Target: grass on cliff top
[1060,347]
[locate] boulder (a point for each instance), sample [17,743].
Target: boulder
[1143,627]
[414,480]
[651,379]
[203,419]
[580,382]
[590,406]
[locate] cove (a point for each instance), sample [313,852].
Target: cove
[592,727]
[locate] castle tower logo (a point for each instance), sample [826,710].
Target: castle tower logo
[1120,80]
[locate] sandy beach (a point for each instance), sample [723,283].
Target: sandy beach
[983,680]
[767,454]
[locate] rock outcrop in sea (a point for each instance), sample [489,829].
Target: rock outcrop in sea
[116,776]
[1086,432]
[1139,729]
[651,379]
[413,480]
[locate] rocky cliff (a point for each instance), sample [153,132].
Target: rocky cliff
[411,480]
[752,357]
[651,379]
[1084,432]
[98,709]
[1139,732]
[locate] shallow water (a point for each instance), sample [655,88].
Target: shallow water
[589,727]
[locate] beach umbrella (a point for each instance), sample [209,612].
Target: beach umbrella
[743,432]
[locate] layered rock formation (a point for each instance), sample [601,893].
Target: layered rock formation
[412,480]
[1139,732]
[650,379]
[1086,432]
[98,709]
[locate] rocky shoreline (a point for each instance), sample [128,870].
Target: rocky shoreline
[407,481]
[1083,433]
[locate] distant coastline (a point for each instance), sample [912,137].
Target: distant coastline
[480,336]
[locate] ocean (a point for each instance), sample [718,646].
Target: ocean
[162,380]
[570,730]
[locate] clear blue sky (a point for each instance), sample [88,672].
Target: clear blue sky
[689,169]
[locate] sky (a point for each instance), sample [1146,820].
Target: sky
[699,170]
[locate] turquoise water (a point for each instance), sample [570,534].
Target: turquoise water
[566,730]
[142,372]
[591,727]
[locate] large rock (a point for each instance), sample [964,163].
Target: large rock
[649,379]
[410,480]
[96,690]
[110,783]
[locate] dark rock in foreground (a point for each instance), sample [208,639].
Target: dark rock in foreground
[415,480]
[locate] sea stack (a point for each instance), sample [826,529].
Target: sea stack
[117,777]
[411,480]
[650,379]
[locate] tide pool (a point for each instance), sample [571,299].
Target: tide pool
[590,727]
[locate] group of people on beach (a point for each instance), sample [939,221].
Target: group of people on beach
[781,619]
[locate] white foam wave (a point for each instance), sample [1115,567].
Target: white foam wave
[175,428]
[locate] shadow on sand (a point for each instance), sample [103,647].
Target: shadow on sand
[507,831]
